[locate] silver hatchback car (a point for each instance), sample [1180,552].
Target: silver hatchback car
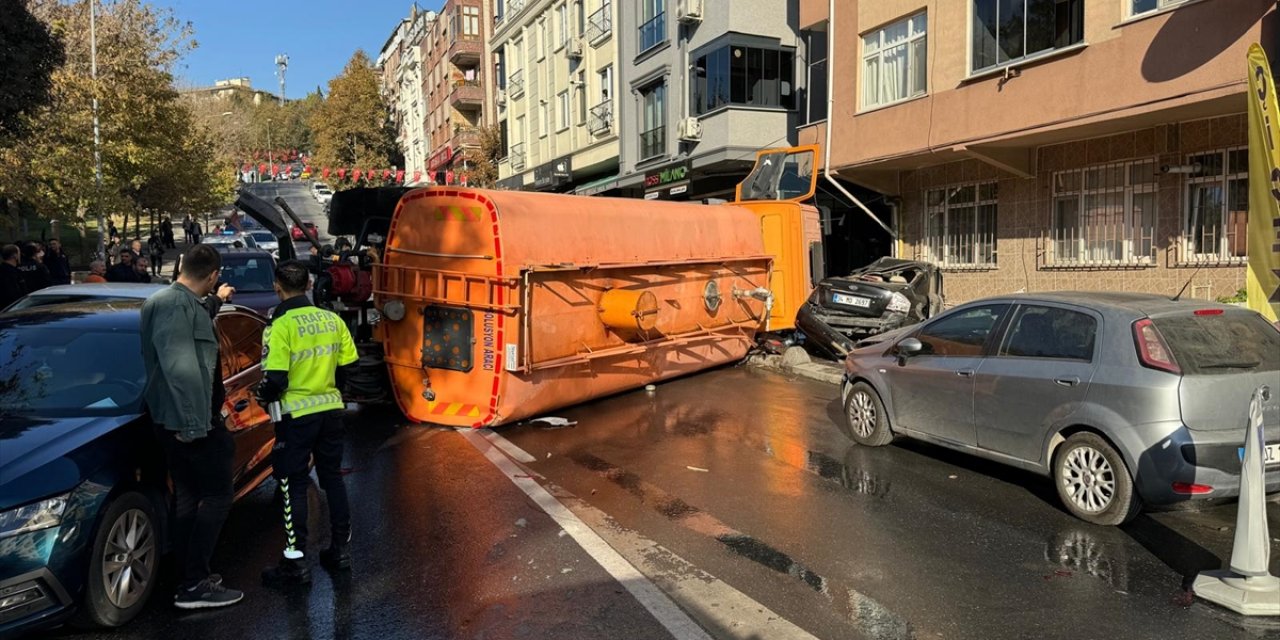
[1123,399]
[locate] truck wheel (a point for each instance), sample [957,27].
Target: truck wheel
[125,564]
[1093,481]
[865,421]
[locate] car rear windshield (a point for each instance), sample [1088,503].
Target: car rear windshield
[62,372]
[1211,344]
[248,274]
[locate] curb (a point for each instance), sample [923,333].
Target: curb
[798,363]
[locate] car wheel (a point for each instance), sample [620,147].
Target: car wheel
[125,565]
[865,421]
[1093,481]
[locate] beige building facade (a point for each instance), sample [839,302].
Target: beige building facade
[555,63]
[1074,144]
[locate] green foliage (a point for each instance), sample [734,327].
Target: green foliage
[1241,297]
[352,127]
[28,55]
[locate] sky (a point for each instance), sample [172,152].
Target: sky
[239,38]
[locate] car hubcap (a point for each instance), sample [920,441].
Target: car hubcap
[128,561]
[1089,480]
[862,414]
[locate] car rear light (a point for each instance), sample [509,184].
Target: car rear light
[1153,352]
[1208,312]
[1191,489]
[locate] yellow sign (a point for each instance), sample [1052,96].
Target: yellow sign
[1263,279]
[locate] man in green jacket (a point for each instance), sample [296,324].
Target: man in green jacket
[184,385]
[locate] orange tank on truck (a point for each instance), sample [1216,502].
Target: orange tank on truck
[504,305]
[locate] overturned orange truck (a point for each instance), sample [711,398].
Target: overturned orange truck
[498,306]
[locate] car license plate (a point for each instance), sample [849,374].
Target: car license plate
[853,301]
[1270,455]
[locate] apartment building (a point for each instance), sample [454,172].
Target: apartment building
[1045,145]
[704,85]
[458,92]
[555,62]
[400,62]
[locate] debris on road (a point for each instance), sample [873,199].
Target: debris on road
[522,523]
[699,469]
[552,422]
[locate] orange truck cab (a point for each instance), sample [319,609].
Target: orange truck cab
[503,305]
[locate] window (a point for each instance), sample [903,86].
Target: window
[1050,332]
[815,48]
[1005,31]
[653,24]
[743,75]
[601,120]
[1139,7]
[653,132]
[544,119]
[960,225]
[580,17]
[562,24]
[500,68]
[961,334]
[1105,214]
[471,21]
[894,60]
[581,77]
[542,40]
[562,110]
[1217,206]
[243,336]
[600,23]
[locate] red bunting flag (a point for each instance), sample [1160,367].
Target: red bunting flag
[342,174]
[417,176]
[400,176]
[356,176]
[262,168]
[448,177]
[325,172]
[386,174]
[464,179]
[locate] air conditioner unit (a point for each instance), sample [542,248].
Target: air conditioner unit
[574,49]
[690,129]
[690,12]
[502,96]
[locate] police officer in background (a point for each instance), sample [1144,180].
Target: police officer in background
[303,349]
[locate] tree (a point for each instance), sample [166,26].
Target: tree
[484,172]
[352,127]
[28,54]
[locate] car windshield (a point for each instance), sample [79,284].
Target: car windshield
[248,275]
[1221,343]
[70,372]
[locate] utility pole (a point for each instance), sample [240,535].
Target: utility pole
[270,163]
[97,131]
[282,65]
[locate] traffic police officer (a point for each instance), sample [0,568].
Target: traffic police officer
[302,350]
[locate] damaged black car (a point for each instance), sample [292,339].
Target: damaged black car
[884,295]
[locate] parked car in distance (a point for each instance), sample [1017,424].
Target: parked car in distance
[84,497]
[105,292]
[310,228]
[233,240]
[264,240]
[317,186]
[324,197]
[884,295]
[1122,399]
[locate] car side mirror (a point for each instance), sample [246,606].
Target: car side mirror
[908,348]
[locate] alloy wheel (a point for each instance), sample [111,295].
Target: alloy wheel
[129,559]
[1089,479]
[862,413]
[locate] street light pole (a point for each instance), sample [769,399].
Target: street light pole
[270,163]
[97,131]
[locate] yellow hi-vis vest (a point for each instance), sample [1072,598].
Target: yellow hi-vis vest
[309,344]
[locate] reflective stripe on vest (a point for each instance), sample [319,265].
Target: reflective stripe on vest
[311,402]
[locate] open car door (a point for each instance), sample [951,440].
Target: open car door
[781,175]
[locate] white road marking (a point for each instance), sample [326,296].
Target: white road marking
[508,447]
[667,613]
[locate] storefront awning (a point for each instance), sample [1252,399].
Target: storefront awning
[598,186]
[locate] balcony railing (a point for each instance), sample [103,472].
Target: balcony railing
[653,143]
[465,136]
[600,24]
[466,93]
[600,121]
[653,32]
[515,84]
[465,51]
[516,156]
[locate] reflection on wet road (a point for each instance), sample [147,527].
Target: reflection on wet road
[745,474]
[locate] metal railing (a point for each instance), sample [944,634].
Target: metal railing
[653,143]
[601,118]
[517,157]
[515,84]
[653,32]
[1100,245]
[600,24]
[1219,242]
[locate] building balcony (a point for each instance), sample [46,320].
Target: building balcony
[600,120]
[465,137]
[467,94]
[465,51]
[600,24]
[517,157]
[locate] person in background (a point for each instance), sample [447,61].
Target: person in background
[141,270]
[166,233]
[12,284]
[155,245]
[185,394]
[34,273]
[57,262]
[97,272]
[136,246]
[122,271]
[111,228]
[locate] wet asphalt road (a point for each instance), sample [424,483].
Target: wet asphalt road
[741,473]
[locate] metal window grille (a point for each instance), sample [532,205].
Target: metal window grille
[1217,215]
[960,225]
[1104,215]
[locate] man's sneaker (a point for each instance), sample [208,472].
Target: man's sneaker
[207,595]
[336,558]
[289,572]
